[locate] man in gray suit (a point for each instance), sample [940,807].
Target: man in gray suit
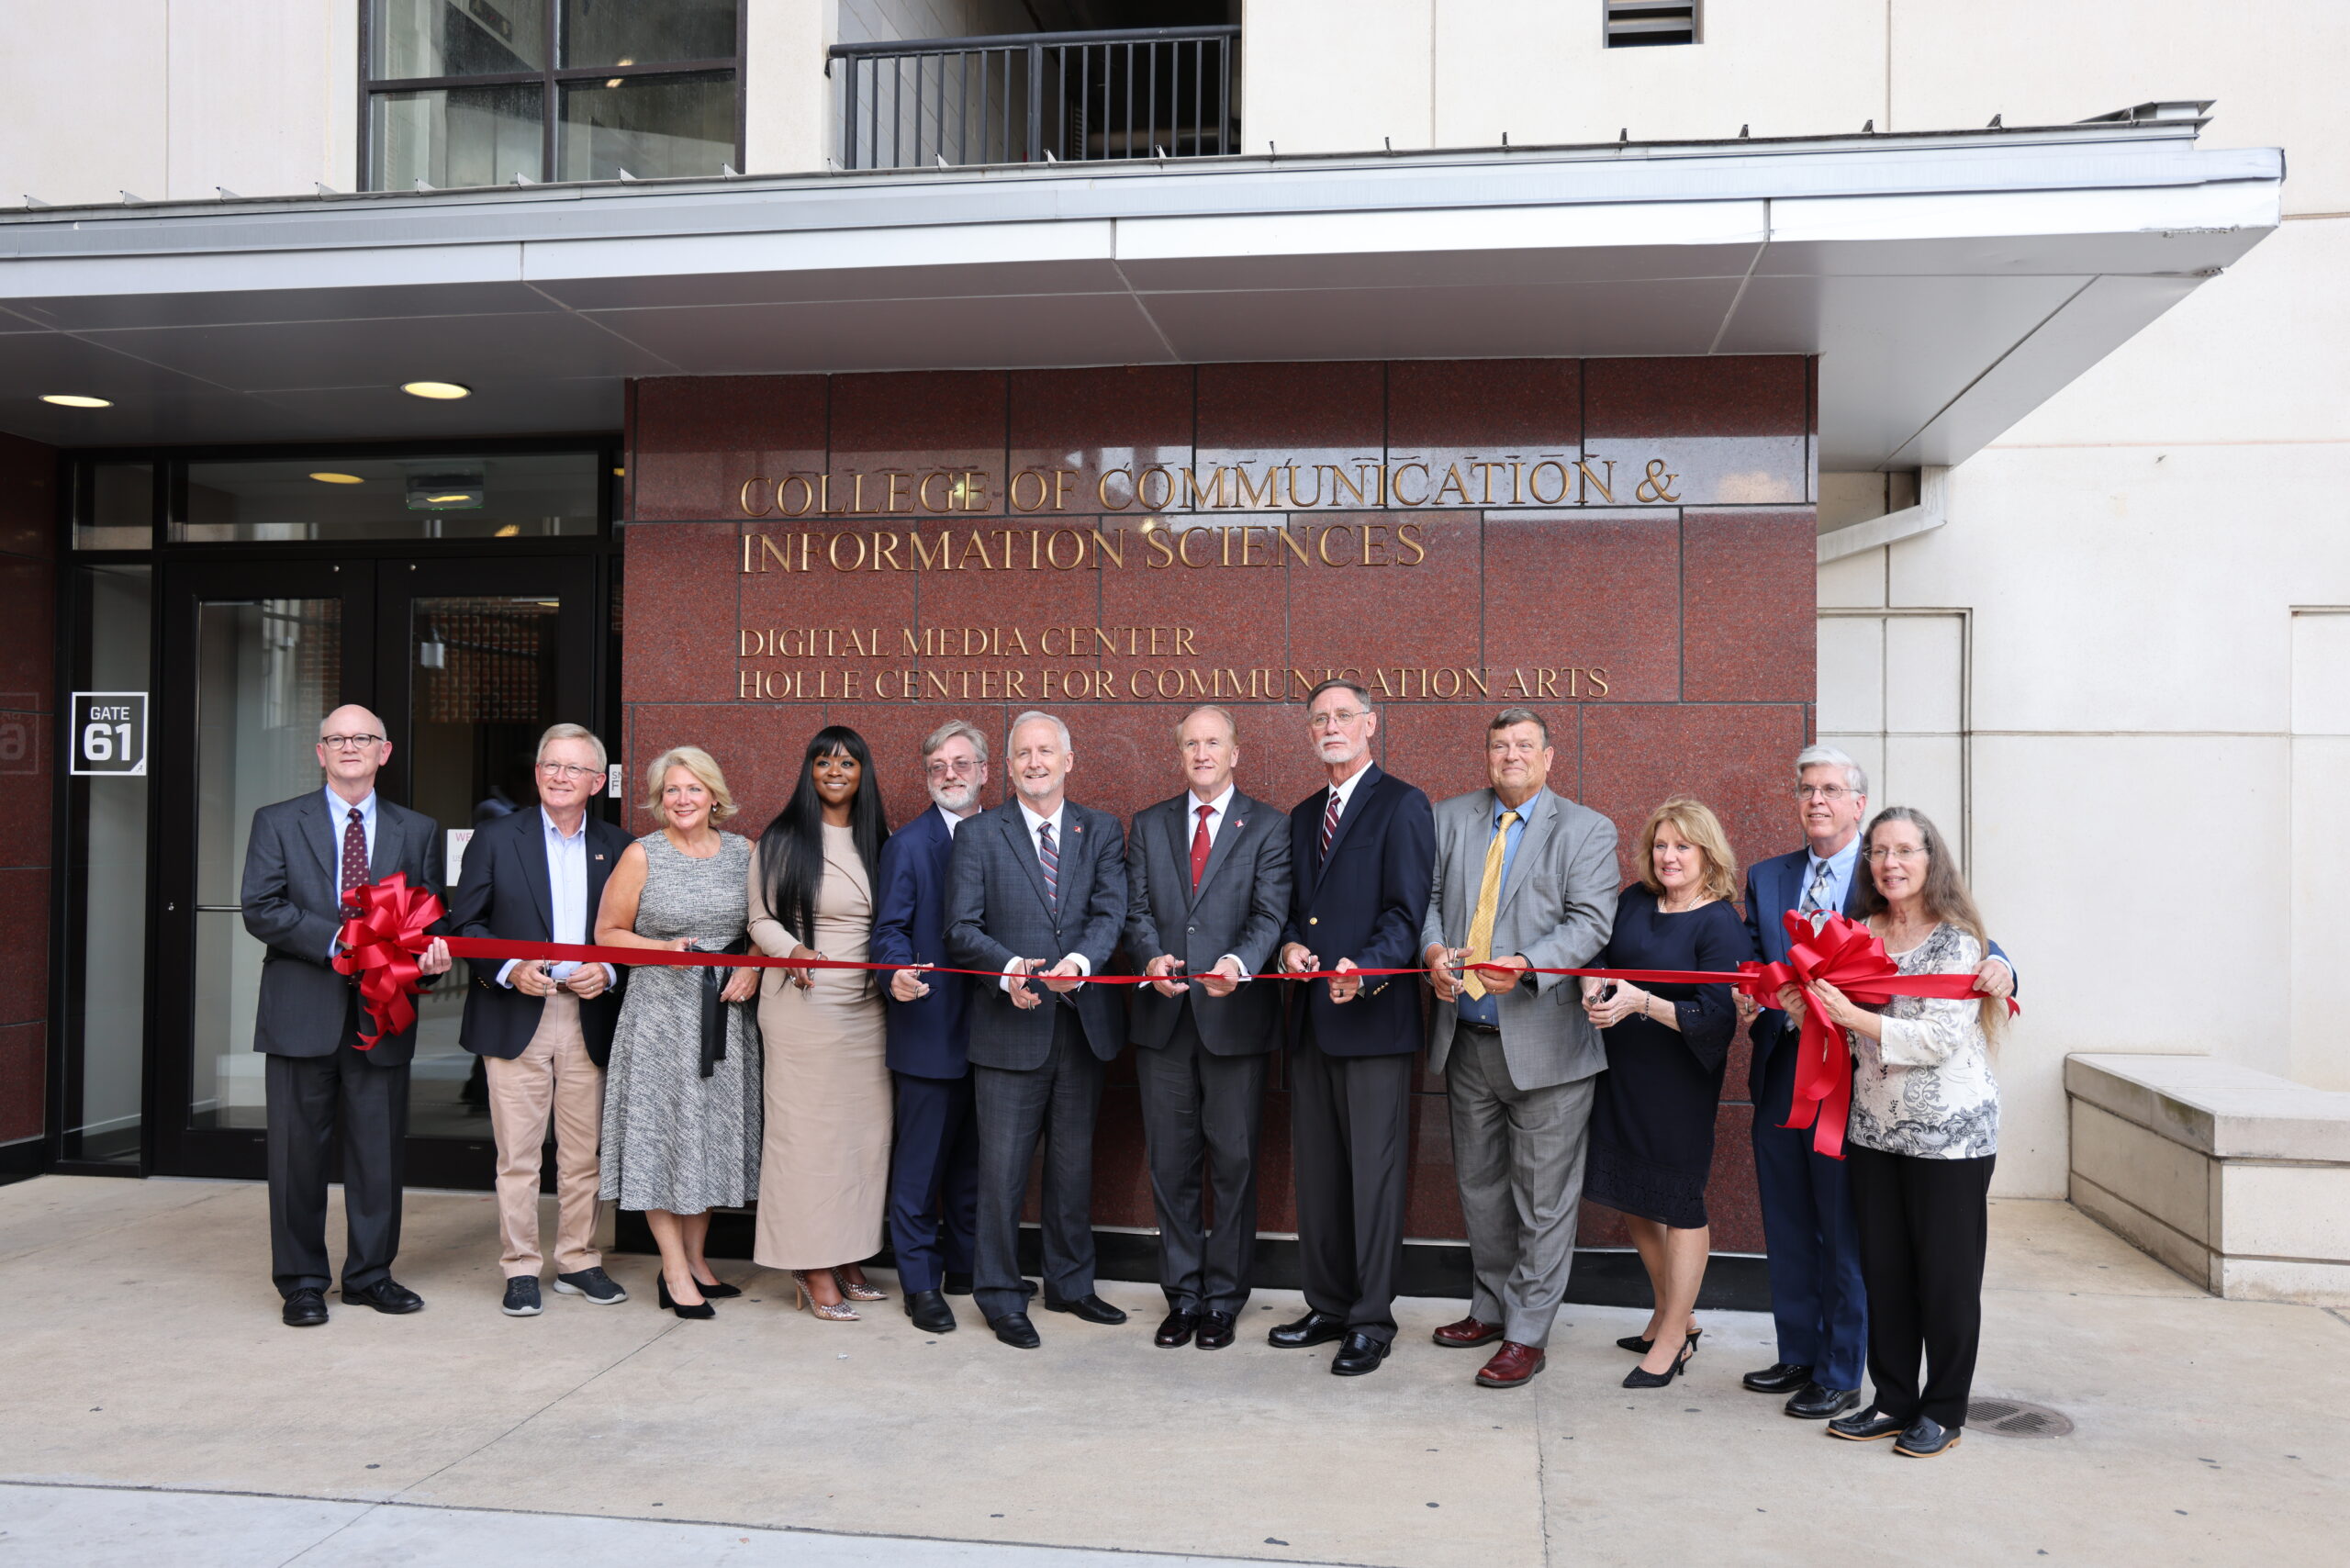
[303,856]
[1527,879]
[1039,875]
[1208,890]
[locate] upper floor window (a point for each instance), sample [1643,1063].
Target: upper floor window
[484,92]
[1635,24]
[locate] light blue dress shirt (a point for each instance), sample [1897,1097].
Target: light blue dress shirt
[338,819]
[1487,1009]
[568,901]
[1840,866]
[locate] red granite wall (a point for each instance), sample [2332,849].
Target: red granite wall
[28,600]
[1625,543]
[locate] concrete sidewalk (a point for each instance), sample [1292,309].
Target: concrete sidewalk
[140,1348]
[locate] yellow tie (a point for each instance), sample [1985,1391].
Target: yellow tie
[1489,895]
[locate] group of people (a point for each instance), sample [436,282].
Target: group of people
[911,1097]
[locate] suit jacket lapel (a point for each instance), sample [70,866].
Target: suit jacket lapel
[325,836]
[1235,817]
[539,874]
[387,858]
[1358,800]
[599,866]
[1023,849]
[1541,822]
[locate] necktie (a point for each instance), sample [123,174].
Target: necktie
[1489,896]
[1816,897]
[1199,843]
[355,851]
[1329,823]
[1049,860]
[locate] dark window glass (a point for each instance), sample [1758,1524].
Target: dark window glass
[457,38]
[633,32]
[650,126]
[455,136]
[498,495]
[117,507]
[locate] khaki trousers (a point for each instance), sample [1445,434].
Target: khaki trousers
[553,1072]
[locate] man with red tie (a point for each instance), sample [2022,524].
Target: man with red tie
[1208,890]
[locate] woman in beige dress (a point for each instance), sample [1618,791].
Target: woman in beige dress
[825,1169]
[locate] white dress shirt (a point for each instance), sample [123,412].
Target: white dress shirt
[1061,853]
[1346,793]
[568,906]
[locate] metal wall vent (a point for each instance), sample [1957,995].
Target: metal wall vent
[1637,24]
[2017,1418]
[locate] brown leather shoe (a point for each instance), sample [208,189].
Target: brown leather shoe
[1513,1366]
[1468,1332]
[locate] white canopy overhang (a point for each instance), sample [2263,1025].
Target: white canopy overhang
[1949,282]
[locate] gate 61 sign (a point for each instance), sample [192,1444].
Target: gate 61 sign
[110,732]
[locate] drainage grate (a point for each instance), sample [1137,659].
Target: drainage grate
[2017,1418]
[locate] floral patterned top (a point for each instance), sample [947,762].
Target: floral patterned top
[1926,1090]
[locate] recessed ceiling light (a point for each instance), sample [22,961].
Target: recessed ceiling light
[612,82]
[338,478]
[440,389]
[75,400]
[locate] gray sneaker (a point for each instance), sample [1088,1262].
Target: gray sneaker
[522,1297]
[599,1287]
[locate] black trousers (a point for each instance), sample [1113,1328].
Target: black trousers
[1056,1103]
[306,1093]
[1203,1116]
[1923,1227]
[1350,1128]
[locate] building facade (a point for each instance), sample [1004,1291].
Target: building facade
[1984,440]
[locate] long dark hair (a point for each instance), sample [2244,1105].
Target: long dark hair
[1943,893]
[791,850]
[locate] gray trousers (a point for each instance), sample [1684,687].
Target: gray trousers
[1518,1156]
[1203,1112]
[1056,1103]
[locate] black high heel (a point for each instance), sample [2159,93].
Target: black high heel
[1641,1347]
[1639,1378]
[716,1290]
[700,1310]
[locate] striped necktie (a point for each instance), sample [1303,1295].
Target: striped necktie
[1049,860]
[1329,823]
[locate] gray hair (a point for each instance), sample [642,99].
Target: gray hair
[572,733]
[1856,778]
[1509,716]
[949,730]
[1034,716]
[1222,712]
[1341,683]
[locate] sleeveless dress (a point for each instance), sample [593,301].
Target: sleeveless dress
[824,1177]
[674,1139]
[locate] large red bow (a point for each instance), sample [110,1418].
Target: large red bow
[380,944]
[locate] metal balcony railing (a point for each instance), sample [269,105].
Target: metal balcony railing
[1028,97]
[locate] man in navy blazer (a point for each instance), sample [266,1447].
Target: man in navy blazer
[544,1029]
[1362,859]
[934,1159]
[1038,876]
[1808,1228]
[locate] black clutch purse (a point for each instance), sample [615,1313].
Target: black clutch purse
[713,1011]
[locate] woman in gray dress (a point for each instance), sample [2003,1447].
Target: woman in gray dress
[681,1133]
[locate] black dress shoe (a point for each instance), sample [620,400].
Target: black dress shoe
[385,1295]
[1014,1329]
[305,1309]
[930,1312]
[1925,1436]
[1359,1354]
[1865,1426]
[1089,1307]
[1814,1403]
[1779,1377]
[1175,1330]
[1314,1329]
[1214,1331]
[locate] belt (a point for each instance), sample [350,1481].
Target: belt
[1481,1028]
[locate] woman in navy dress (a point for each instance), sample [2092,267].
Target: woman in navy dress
[1653,1124]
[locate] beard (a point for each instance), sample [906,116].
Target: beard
[954,796]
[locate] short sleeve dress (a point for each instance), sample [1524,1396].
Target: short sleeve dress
[1652,1123]
[674,1139]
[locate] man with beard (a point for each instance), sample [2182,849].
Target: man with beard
[933,1159]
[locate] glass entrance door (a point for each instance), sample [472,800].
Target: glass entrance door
[466,661]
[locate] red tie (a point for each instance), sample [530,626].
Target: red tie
[354,851]
[1200,847]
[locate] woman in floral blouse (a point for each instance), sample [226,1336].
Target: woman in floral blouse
[1919,1146]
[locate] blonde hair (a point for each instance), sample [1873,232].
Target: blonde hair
[1697,822]
[703,765]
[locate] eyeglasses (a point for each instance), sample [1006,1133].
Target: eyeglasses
[1821,791]
[1337,718]
[947,769]
[348,742]
[566,770]
[1898,852]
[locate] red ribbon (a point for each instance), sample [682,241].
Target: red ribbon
[381,942]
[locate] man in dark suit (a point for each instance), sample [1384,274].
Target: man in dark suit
[1808,1228]
[1208,892]
[544,1030]
[1363,853]
[1039,875]
[302,854]
[934,1158]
